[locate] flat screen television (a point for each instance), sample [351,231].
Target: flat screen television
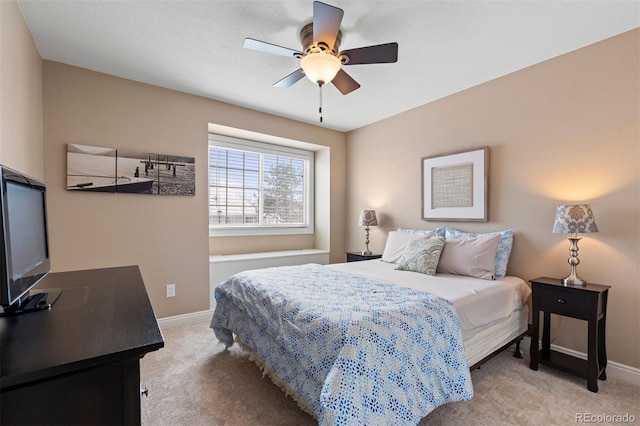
[24,250]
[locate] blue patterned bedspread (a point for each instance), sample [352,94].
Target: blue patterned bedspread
[353,350]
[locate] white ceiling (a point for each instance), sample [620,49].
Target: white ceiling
[196,47]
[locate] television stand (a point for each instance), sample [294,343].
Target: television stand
[79,362]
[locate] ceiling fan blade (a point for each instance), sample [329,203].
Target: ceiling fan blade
[326,23]
[291,79]
[378,54]
[344,83]
[263,46]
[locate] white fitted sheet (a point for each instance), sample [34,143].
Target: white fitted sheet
[478,303]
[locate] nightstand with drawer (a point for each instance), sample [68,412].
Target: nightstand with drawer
[587,302]
[356,256]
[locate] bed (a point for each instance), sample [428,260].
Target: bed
[369,342]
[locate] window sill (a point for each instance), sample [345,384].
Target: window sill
[266,255]
[257,232]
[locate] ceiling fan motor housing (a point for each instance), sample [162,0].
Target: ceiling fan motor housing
[309,46]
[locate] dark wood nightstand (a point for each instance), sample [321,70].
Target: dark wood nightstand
[587,302]
[356,256]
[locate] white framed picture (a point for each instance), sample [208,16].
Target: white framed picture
[454,186]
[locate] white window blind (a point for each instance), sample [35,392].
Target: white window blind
[256,186]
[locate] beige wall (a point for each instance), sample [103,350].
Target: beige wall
[166,236]
[566,130]
[20,94]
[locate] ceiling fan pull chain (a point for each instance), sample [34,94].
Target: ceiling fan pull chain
[320,109]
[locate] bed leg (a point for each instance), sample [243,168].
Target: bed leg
[517,353]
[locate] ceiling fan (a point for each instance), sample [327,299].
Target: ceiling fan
[320,58]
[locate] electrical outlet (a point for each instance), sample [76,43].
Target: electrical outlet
[171,290]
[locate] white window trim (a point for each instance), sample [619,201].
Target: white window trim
[267,148]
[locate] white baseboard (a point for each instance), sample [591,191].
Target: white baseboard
[615,370]
[185,319]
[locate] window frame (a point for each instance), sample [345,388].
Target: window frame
[222,141]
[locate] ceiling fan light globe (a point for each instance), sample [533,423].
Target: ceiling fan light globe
[320,67]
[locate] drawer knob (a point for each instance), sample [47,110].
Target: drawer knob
[562,301]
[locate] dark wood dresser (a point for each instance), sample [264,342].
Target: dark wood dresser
[79,361]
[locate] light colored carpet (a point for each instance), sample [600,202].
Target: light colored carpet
[194,381]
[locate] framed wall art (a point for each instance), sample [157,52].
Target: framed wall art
[100,169]
[454,186]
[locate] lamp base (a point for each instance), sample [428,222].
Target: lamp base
[573,280]
[366,251]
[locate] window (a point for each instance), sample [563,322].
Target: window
[257,188]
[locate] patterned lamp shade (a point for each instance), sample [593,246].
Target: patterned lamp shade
[368,218]
[576,219]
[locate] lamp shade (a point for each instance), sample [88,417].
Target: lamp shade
[368,218]
[574,218]
[320,67]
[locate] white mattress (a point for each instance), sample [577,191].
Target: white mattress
[478,303]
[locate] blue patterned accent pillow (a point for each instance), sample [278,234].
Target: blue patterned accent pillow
[440,231]
[504,246]
[421,256]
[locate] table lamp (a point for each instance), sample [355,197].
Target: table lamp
[574,219]
[367,219]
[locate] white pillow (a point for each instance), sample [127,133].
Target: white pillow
[473,257]
[504,246]
[396,243]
